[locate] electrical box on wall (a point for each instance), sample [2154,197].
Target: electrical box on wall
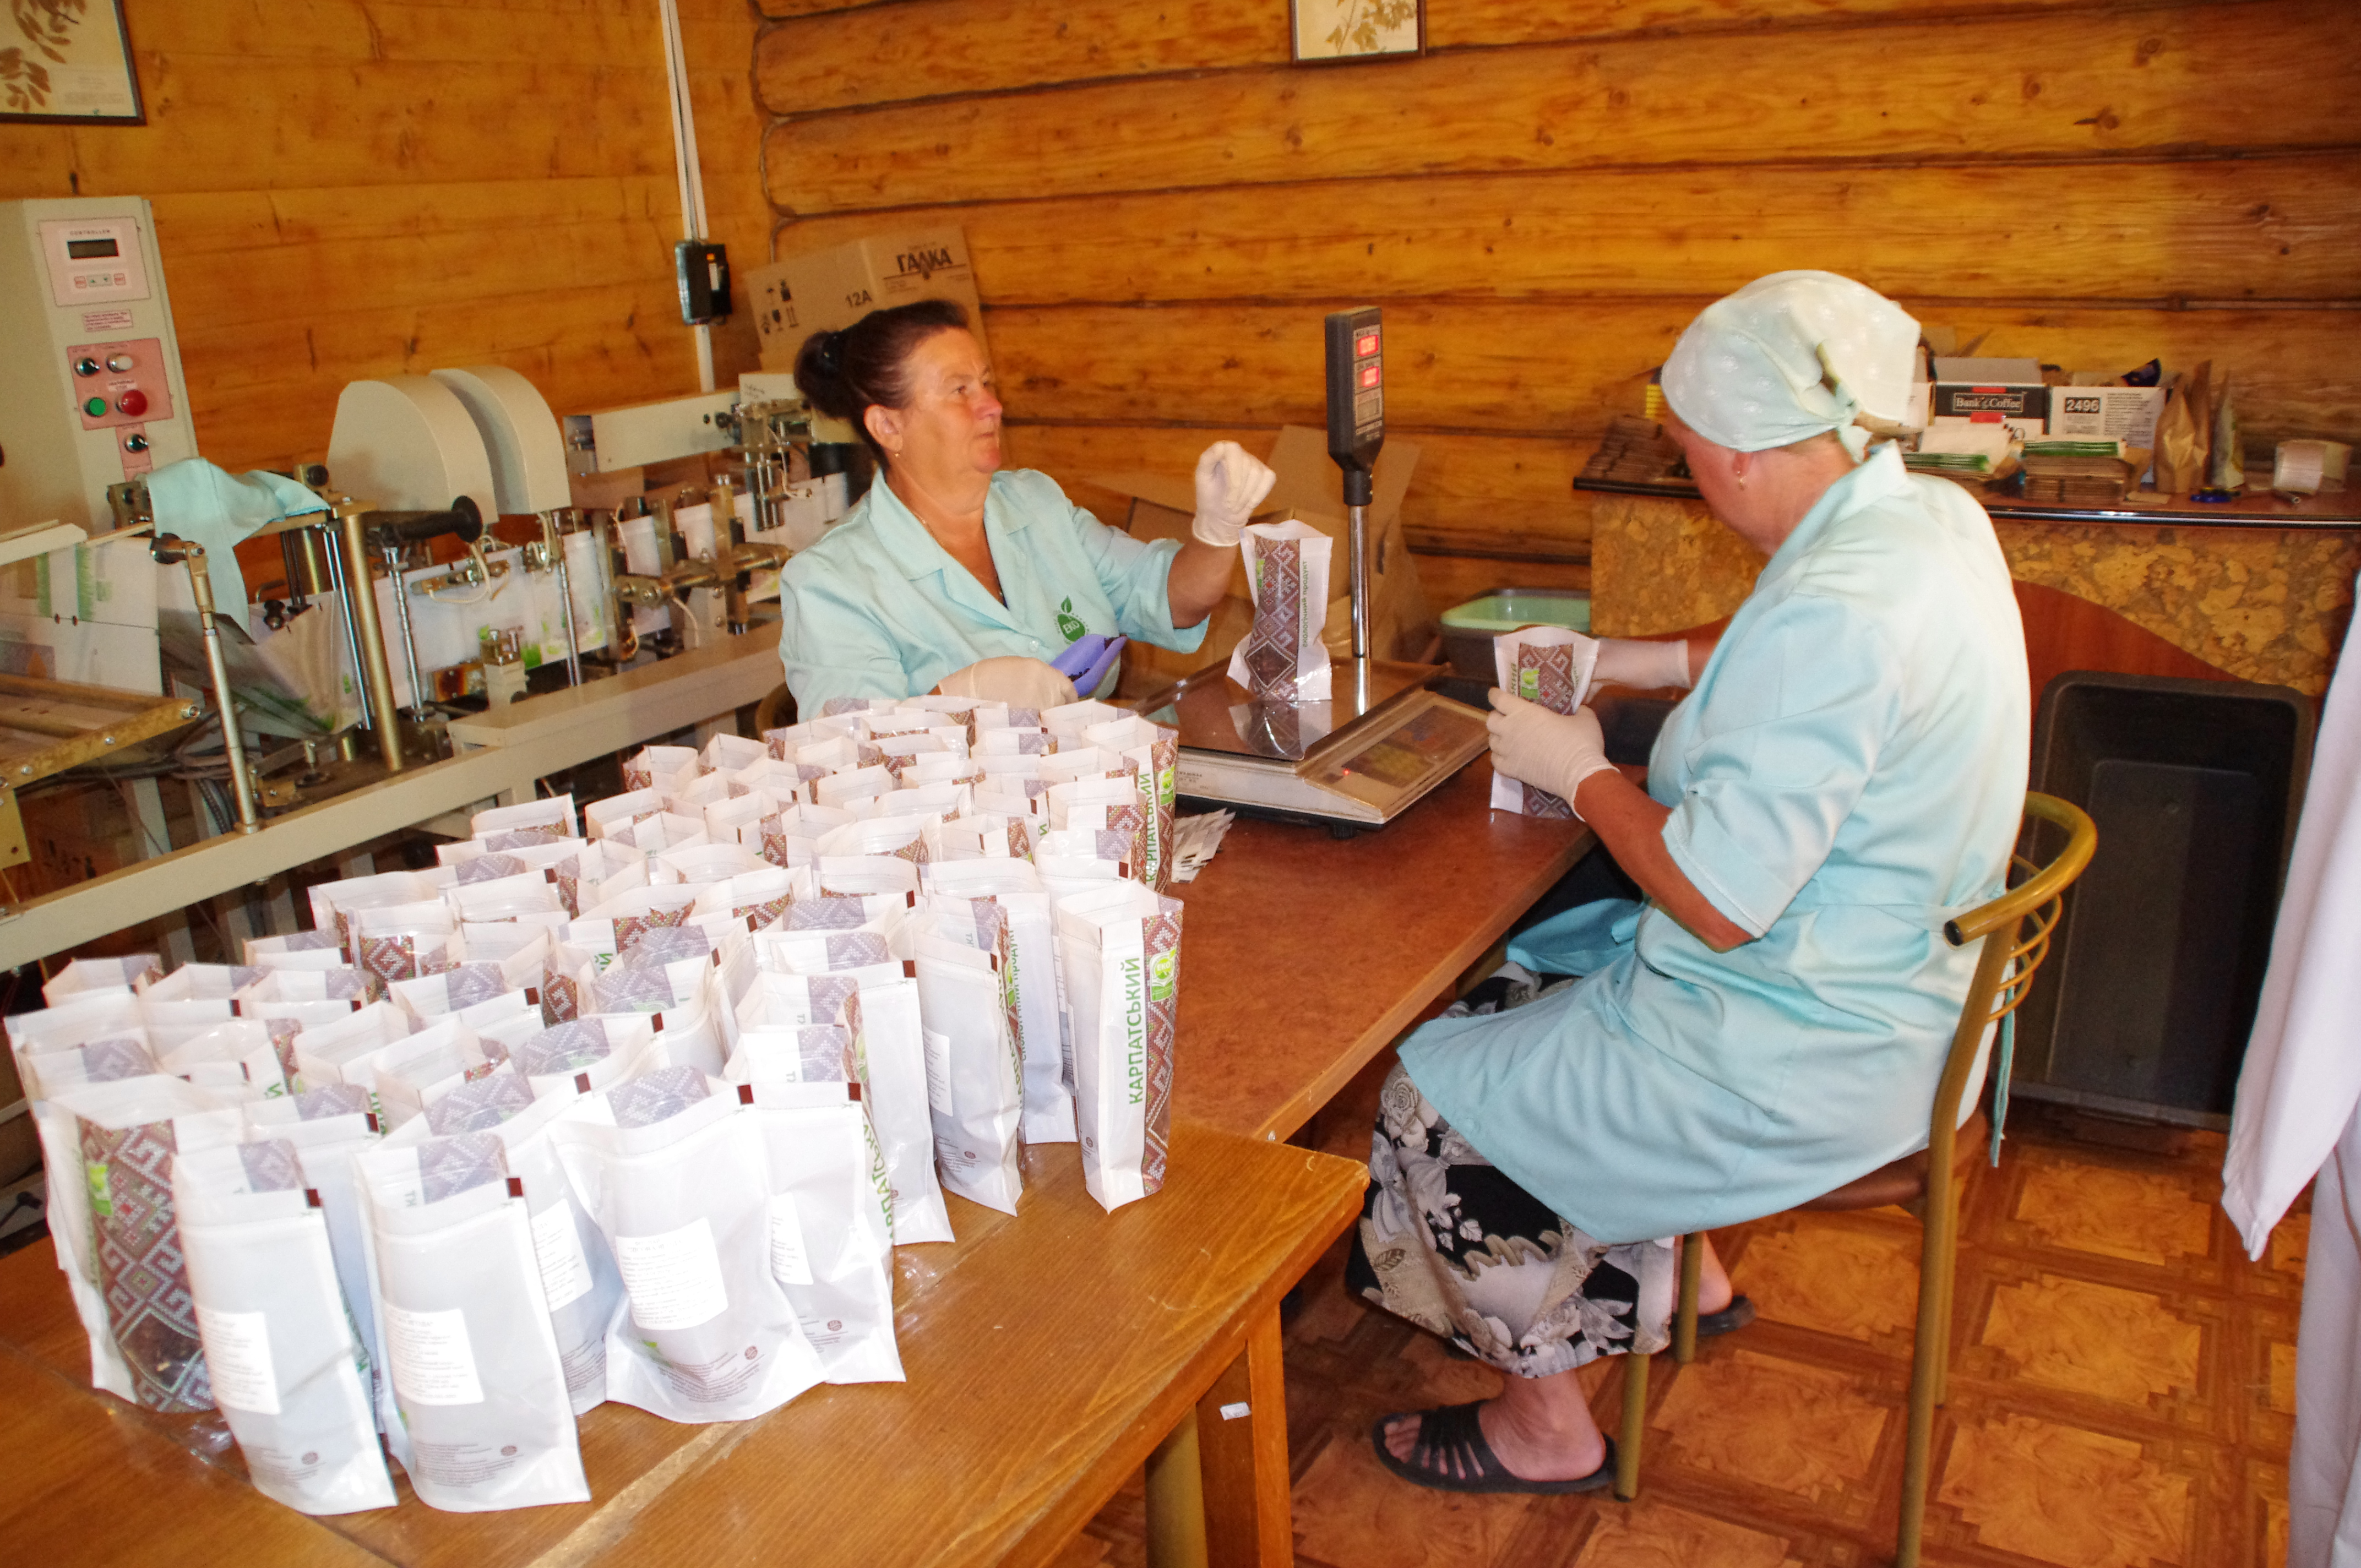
[93,393]
[701,267]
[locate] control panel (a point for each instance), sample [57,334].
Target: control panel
[96,396]
[1356,396]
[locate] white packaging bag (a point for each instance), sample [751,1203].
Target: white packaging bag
[333,903]
[967,1006]
[1282,658]
[1552,667]
[110,1148]
[831,1233]
[402,941]
[236,1060]
[1105,804]
[661,767]
[842,876]
[473,1361]
[675,1175]
[577,1271]
[1155,750]
[665,831]
[792,837]
[556,815]
[297,950]
[840,790]
[586,1054]
[1068,721]
[200,983]
[701,865]
[727,753]
[82,976]
[286,1370]
[604,818]
[1042,1043]
[1121,950]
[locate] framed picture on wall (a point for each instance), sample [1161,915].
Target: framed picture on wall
[67,61]
[1329,30]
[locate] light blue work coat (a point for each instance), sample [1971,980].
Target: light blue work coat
[1848,773]
[878,608]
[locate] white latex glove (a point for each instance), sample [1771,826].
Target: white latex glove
[1231,482]
[1642,667]
[1555,752]
[1016,681]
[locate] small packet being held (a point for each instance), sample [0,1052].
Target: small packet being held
[832,1237]
[1121,948]
[1282,658]
[675,1176]
[1552,667]
[285,1368]
[475,1367]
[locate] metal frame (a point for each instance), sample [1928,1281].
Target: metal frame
[502,753]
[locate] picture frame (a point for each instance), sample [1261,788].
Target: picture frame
[68,62]
[1334,32]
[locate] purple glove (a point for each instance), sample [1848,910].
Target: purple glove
[1087,660]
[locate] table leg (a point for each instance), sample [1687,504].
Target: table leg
[1242,1440]
[1176,1500]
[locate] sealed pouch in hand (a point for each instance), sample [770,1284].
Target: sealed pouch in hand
[1283,658]
[1552,667]
[1121,949]
[675,1177]
[286,1370]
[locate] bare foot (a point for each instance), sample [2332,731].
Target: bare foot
[1540,1428]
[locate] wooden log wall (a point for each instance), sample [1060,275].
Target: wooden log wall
[1161,207]
[354,188]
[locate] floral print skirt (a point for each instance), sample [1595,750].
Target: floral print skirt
[1449,1241]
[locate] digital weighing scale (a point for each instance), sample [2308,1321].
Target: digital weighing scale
[1385,738]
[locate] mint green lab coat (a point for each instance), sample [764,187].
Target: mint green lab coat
[878,608]
[1850,771]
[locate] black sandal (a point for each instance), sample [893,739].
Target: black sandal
[1450,1438]
[1729,1320]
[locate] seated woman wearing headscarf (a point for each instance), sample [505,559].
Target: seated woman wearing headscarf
[1848,770]
[953,575]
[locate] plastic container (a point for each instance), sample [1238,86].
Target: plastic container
[2145,1007]
[1469,629]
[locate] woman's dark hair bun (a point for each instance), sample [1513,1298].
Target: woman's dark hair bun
[845,372]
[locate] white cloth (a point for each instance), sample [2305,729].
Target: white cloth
[2295,1116]
[1790,357]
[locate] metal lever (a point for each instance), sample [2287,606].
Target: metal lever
[171,550]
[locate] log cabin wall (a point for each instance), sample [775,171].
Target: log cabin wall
[347,189]
[1161,207]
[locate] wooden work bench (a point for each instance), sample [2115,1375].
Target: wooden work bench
[1049,1355]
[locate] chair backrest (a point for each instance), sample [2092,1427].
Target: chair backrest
[2006,966]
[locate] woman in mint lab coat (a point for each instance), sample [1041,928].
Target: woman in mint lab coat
[955,575]
[1848,770]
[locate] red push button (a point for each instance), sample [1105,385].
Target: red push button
[132,403]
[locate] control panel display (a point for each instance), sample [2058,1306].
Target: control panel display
[1356,396]
[92,261]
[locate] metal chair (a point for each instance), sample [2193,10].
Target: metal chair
[1928,1182]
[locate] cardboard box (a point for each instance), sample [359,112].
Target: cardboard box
[822,290]
[2004,391]
[2127,414]
[1310,487]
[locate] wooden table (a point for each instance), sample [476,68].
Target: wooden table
[1305,955]
[1047,1356]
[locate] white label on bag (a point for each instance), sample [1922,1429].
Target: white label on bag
[675,1278]
[238,1357]
[939,1069]
[557,1247]
[789,1262]
[434,1362]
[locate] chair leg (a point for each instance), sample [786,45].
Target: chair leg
[1929,1355]
[1950,1268]
[1685,1315]
[1635,1423]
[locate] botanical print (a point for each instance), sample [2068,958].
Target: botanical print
[66,58]
[1341,29]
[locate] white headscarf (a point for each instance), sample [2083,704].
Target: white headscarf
[1791,356]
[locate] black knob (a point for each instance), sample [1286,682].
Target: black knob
[135,442]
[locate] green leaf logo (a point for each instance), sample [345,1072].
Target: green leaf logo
[1067,624]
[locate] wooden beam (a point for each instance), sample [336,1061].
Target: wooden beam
[2063,85]
[2273,228]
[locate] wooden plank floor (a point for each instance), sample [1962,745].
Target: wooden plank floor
[2123,1392]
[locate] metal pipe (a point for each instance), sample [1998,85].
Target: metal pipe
[335,560]
[1359,545]
[201,584]
[553,540]
[360,600]
[401,622]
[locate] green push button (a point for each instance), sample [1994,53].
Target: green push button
[94,407]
